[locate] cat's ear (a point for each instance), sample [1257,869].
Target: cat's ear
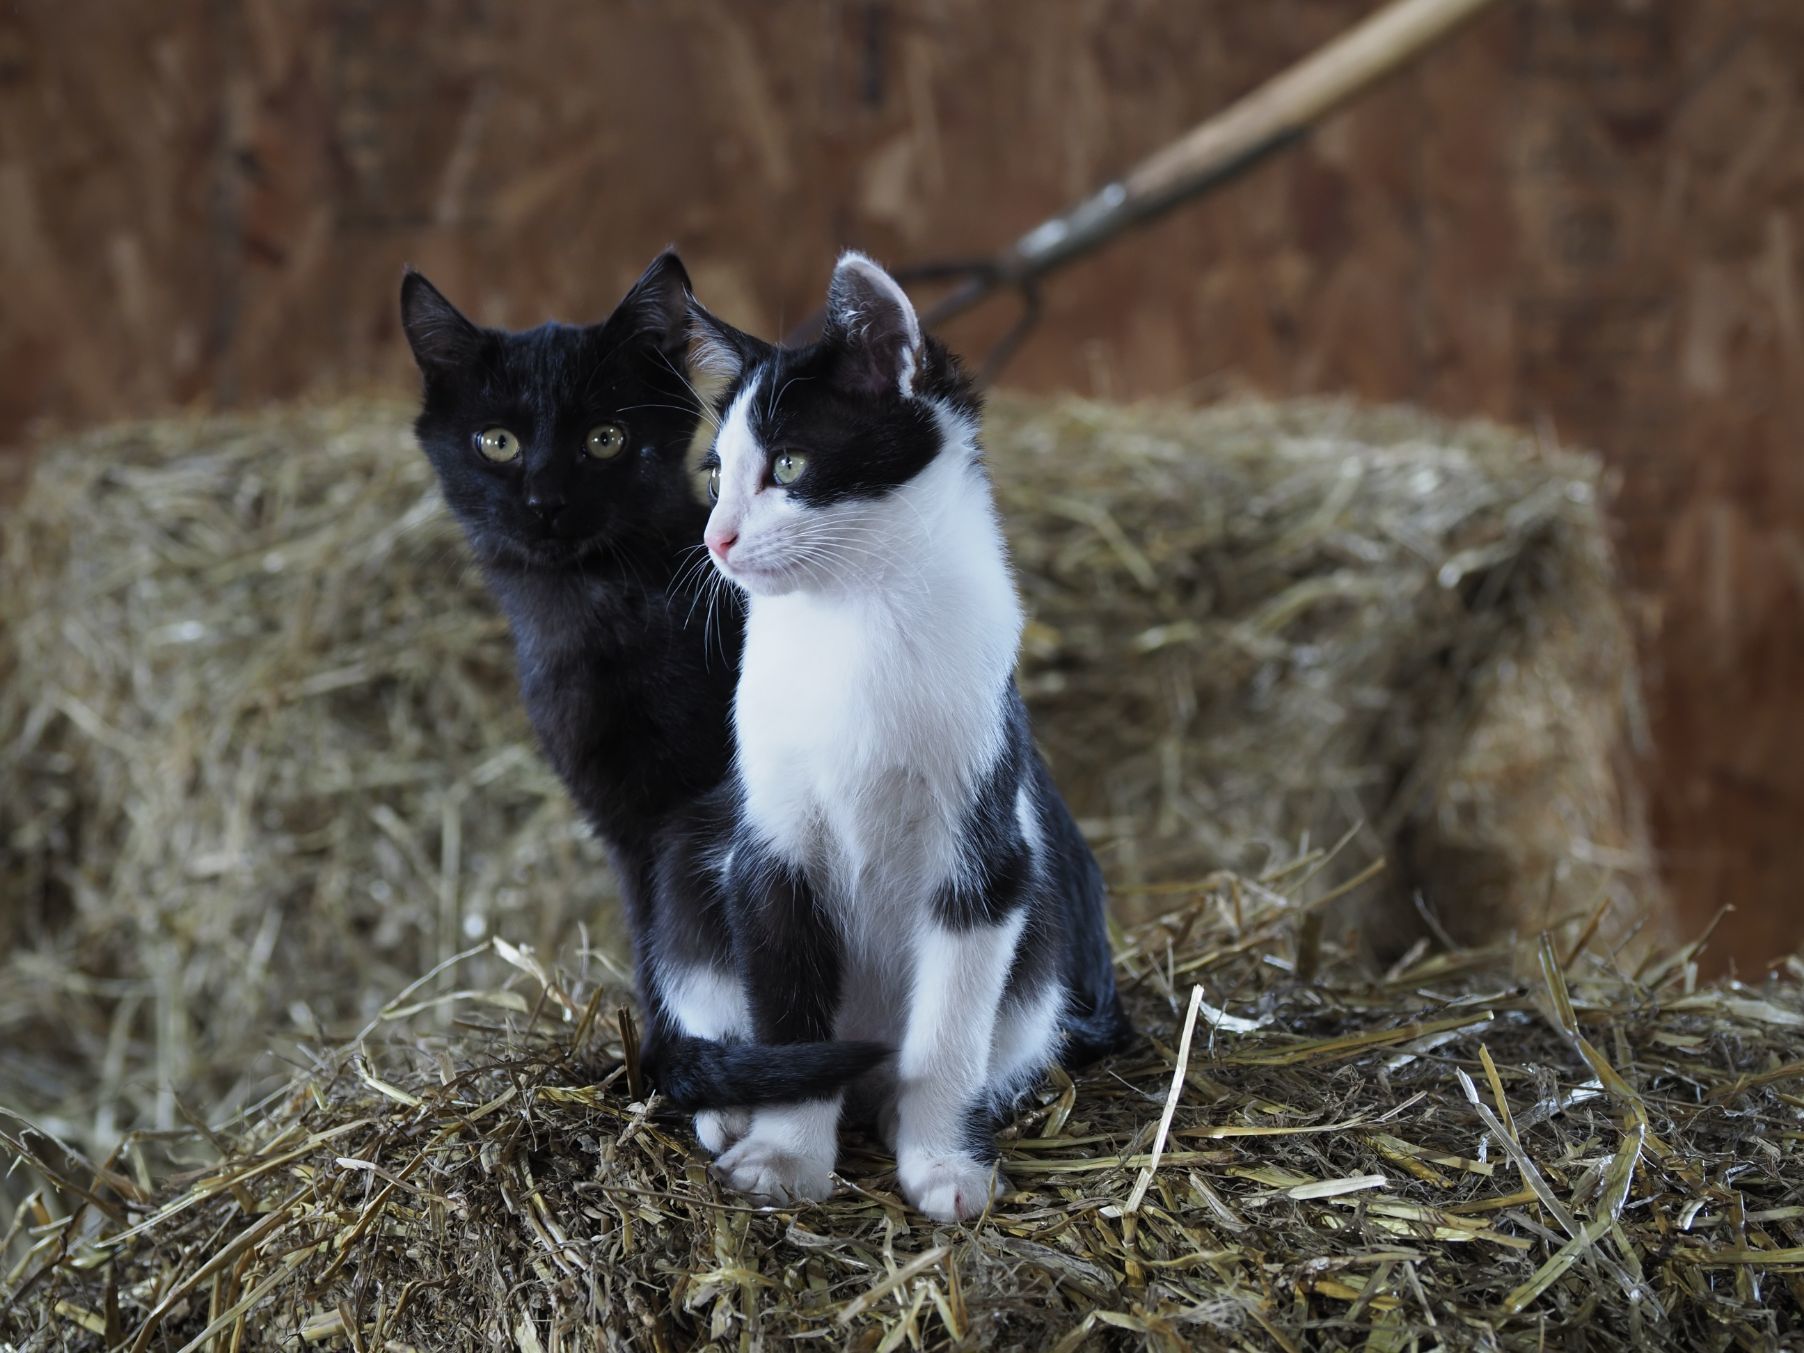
[872,321]
[717,351]
[441,338]
[659,302]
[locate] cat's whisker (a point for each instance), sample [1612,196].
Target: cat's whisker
[883,547]
[674,408]
[695,559]
[703,408]
[770,405]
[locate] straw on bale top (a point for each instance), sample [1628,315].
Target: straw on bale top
[261,755]
[1441,1156]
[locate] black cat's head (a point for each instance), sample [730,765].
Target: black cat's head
[561,443]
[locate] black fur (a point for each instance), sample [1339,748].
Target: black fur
[790,961]
[627,668]
[704,1073]
[1096,1024]
[627,694]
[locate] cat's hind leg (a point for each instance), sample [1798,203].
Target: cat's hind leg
[706,1000]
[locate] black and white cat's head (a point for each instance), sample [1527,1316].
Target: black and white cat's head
[834,463]
[564,442]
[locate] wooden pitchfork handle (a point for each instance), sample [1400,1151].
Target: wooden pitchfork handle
[1271,117]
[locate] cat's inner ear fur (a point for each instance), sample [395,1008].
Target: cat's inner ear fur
[659,302]
[441,338]
[872,321]
[718,352]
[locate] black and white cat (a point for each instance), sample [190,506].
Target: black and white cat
[902,869]
[563,452]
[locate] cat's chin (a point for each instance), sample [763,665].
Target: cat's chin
[760,582]
[549,552]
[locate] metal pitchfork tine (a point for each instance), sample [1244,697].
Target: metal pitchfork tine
[1272,117]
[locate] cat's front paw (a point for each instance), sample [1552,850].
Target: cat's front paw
[718,1129]
[769,1172]
[950,1188]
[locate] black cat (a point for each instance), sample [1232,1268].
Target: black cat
[563,452]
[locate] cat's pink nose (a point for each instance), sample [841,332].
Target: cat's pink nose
[720,541]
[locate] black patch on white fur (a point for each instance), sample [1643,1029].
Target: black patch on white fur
[862,436]
[789,956]
[685,925]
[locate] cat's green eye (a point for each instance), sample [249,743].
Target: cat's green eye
[788,466]
[498,444]
[714,483]
[606,440]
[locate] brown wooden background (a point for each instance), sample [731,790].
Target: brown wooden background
[1582,215]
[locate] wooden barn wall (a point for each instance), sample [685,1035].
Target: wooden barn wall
[1582,215]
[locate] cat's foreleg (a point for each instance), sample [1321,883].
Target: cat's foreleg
[945,1162]
[790,958]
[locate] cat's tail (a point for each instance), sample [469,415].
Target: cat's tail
[705,1073]
[1094,1034]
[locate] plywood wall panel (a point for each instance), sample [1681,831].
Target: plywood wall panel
[1582,215]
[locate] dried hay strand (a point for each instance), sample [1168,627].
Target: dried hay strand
[1443,1156]
[261,757]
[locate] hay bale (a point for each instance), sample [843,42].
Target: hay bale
[1442,1157]
[261,756]
[264,767]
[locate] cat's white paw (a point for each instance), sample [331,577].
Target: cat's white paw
[766,1170]
[717,1129]
[950,1188]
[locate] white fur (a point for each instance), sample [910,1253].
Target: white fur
[787,1154]
[868,704]
[708,1002]
[718,1129]
[1026,1041]
[945,1057]
[1027,818]
[712,362]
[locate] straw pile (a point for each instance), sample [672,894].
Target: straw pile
[261,765]
[1440,1157]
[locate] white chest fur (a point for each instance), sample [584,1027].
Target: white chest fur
[867,714]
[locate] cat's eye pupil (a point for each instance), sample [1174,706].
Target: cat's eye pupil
[788,467]
[497,444]
[714,485]
[606,440]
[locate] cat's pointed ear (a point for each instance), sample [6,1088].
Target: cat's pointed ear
[871,319]
[441,338]
[659,302]
[717,351]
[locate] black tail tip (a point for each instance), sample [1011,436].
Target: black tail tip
[699,1073]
